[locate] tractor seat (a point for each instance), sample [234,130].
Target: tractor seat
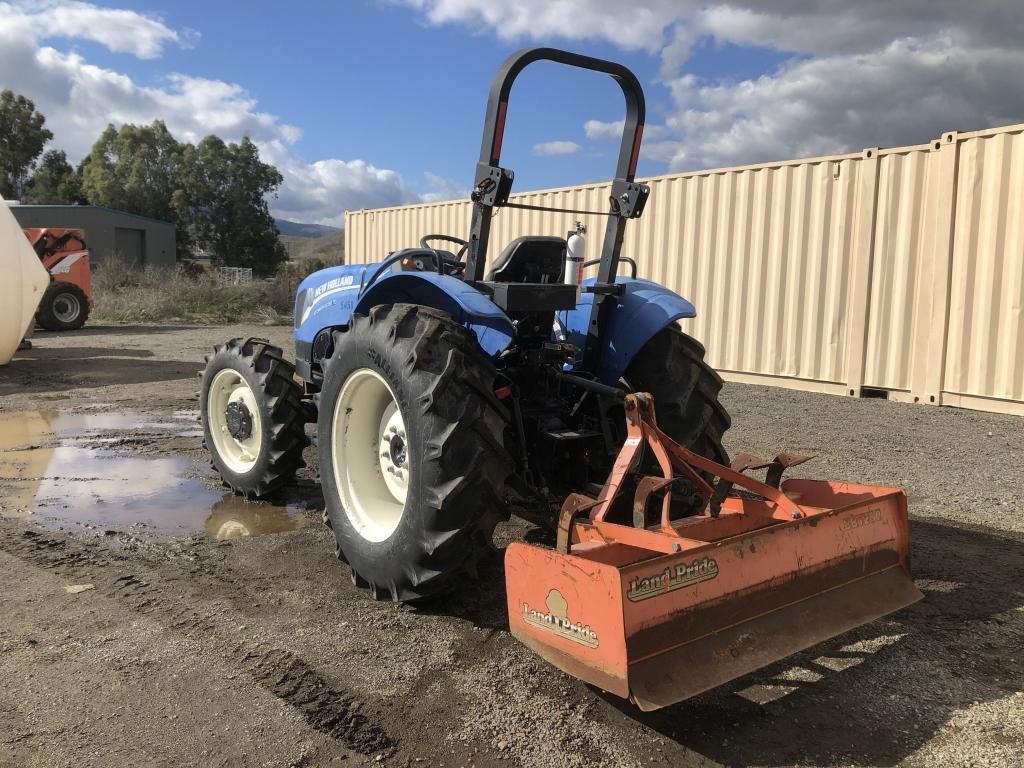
[530,260]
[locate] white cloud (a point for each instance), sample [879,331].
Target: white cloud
[673,27]
[599,130]
[839,27]
[79,99]
[549,148]
[906,93]
[672,153]
[442,189]
[859,74]
[636,25]
[321,192]
[679,49]
[121,31]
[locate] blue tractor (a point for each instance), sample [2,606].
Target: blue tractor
[449,391]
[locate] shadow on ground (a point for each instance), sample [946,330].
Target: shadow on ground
[48,368]
[110,330]
[482,600]
[876,695]
[871,697]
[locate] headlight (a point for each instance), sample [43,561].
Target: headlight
[301,305]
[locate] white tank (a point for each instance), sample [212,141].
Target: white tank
[575,255]
[22,286]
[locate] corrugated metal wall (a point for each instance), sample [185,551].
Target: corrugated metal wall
[985,341]
[896,269]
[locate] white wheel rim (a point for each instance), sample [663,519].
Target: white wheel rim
[66,307]
[229,387]
[372,458]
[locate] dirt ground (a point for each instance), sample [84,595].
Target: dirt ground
[140,625]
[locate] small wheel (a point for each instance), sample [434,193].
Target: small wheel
[412,459]
[253,417]
[64,307]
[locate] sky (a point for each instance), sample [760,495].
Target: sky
[366,103]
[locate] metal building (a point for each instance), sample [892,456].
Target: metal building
[138,239]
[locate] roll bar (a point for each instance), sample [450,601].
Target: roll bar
[493,183]
[501,87]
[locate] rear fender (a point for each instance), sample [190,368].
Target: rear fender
[337,298]
[466,305]
[643,309]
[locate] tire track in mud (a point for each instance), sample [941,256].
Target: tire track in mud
[288,677]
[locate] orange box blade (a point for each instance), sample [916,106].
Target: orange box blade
[658,628]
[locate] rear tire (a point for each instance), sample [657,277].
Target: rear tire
[64,307]
[258,447]
[685,389]
[413,369]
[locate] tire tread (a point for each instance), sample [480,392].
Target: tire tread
[466,423]
[686,389]
[281,396]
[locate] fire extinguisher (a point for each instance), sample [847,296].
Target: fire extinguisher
[575,256]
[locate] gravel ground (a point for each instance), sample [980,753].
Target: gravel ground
[259,651]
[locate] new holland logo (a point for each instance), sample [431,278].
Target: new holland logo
[331,286]
[556,620]
[671,579]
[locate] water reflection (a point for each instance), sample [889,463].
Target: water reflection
[51,470]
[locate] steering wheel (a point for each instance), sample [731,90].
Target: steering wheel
[447,238]
[446,264]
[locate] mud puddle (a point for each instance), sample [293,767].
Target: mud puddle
[59,470]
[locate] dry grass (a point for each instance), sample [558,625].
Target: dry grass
[126,294]
[330,249]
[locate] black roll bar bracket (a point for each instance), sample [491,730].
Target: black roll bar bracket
[628,198]
[493,185]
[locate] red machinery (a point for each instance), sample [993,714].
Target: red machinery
[668,607]
[65,305]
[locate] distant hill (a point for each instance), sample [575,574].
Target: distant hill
[297,229]
[329,248]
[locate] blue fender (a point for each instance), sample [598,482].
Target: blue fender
[466,305]
[643,309]
[327,299]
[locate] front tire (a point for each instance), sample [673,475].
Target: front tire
[412,462]
[254,422]
[64,307]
